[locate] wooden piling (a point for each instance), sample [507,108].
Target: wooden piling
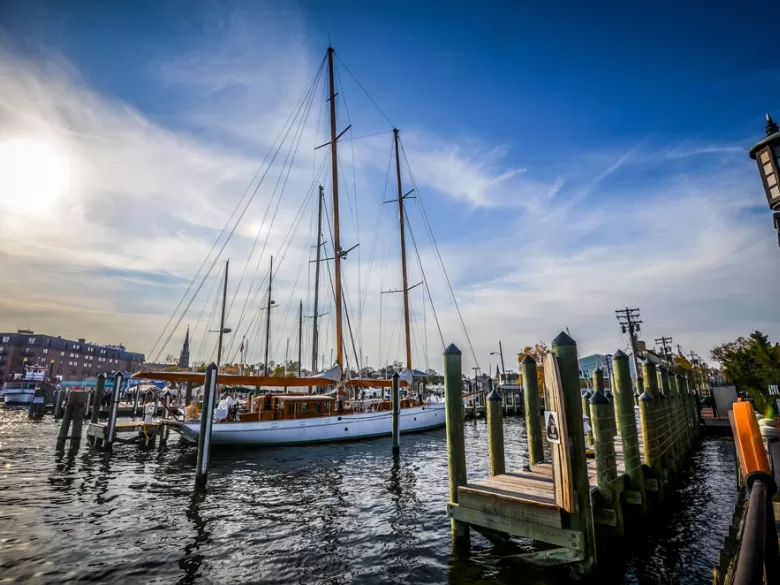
[533,428]
[135,399]
[565,350]
[604,451]
[624,405]
[206,422]
[74,412]
[586,394]
[669,426]
[396,398]
[647,412]
[456,443]
[37,408]
[112,409]
[652,414]
[495,424]
[97,397]
[188,396]
[57,406]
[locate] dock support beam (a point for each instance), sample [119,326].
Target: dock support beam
[206,421]
[135,400]
[112,409]
[74,411]
[604,449]
[456,442]
[565,349]
[624,406]
[531,402]
[495,424]
[396,398]
[97,397]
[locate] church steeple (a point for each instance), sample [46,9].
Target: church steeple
[184,357]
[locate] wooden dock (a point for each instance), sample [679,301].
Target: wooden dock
[138,430]
[582,497]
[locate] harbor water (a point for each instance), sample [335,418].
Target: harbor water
[335,513]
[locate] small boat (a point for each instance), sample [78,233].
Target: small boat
[21,389]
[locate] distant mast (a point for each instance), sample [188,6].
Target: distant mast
[269,302]
[403,253]
[315,330]
[222,319]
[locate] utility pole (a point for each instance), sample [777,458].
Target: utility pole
[630,323]
[666,348]
[476,374]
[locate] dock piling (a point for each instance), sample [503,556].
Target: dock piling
[74,411]
[58,404]
[112,409]
[135,400]
[97,397]
[206,421]
[531,403]
[565,350]
[495,424]
[456,442]
[624,405]
[586,395]
[396,398]
[38,406]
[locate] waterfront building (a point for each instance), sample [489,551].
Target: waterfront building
[66,358]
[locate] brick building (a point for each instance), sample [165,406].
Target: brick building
[73,360]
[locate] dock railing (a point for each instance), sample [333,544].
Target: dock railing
[758,558]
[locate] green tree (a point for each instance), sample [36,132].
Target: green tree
[753,363]
[537,352]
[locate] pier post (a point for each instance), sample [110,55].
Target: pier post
[456,442]
[604,449]
[206,421]
[57,404]
[188,396]
[533,427]
[135,399]
[624,405]
[38,407]
[586,394]
[565,350]
[495,425]
[97,396]
[74,411]
[112,409]
[668,427]
[396,398]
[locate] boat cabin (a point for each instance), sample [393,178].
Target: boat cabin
[287,407]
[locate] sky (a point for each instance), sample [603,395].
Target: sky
[570,159]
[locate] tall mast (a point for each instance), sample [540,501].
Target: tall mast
[315,332]
[300,335]
[336,236]
[222,319]
[268,318]
[403,253]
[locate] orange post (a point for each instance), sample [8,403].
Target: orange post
[747,436]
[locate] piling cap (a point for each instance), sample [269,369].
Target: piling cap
[679,376]
[608,394]
[494,396]
[564,339]
[586,393]
[619,355]
[101,375]
[212,366]
[528,360]
[646,397]
[663,370]
[663,396]
[599,398]
[395,376]
[598,371]
[452,350]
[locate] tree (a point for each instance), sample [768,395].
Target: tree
[537,352]
[278,370]
[398,366]
[753,363]
[171,360]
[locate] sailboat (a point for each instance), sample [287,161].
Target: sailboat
[290,419]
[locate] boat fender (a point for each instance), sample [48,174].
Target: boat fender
[149,412]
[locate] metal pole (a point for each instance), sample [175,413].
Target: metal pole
[268,316]
[206,421]
[396,397]
[315,335]
[111,428]
[405,280]
[336,228]
[300,336]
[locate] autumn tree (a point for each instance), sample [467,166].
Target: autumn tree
[537,352]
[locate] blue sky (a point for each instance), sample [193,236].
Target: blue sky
[575,157]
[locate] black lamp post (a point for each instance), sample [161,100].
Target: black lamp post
[766,153]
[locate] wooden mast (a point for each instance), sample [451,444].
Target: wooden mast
[300,335]
[336,236]
[268,318]
[222,319]
[403,253]
[315,332]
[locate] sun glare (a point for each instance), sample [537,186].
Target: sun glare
[34,175]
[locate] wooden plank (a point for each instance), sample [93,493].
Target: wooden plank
[521,491]
[522,485]
[509,493]
[543,469]
[511,508]
[562,471]
[530,475]
[551,558]
[568,538]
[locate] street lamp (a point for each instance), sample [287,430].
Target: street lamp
[766,153]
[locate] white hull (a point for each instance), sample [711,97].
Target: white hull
[15,397]
[319,429]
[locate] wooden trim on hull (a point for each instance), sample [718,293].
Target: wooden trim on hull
[320,429]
